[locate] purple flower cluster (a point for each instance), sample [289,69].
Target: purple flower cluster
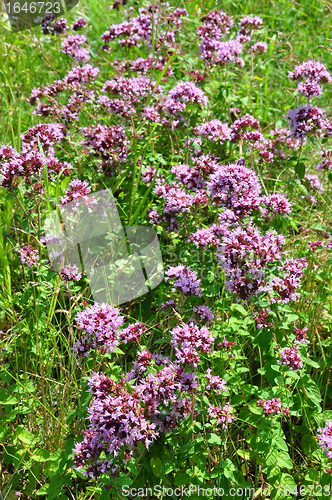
[208,236]
[129,33]
[301,336]
[309,120]
[222,414]
[262,320]
[324,435]
[50,26]
[131,88]
[78,24]
[248,24]
[72,47]
[185,280]
[314,182]
[204,313]
[77,192]
[271,406]
[190,177]
[30,163]
[188,341]
[212,49]
[273,204]
[132,333]
[101,325]
[215,382]
[76,83]
[214,130]
[326,155]
[244,254]
[108,143]
[29,255]
[183,93]
[290,356]
[259,47]
[70,273]
[117,424]
[310,74]
[286,289]
[236,187]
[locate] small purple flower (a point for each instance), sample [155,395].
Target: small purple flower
[290,356]
[215,382]
[325,438]
[28,255]
[188,341]
[185,280]
[222,414]
[70,273]
[270,406]
[204,313]
[301,336]
[78,24]
[101,324]
[132,333]
[214,130]
[259,47]
[312,73]
[77,192]
[183,93]
[236,187]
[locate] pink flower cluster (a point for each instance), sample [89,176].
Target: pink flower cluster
[215,382]
[185,280]
[108,143]
[72,47]
[182,94]
[28,255]
[310,74]
[271,406]
[188,341]
[77,193]
[132,333]
[70,273]
[290,356]
[324,435]
[101,326]
[222,414]
[117,423]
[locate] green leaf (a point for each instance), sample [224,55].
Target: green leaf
[312,390]
[288,480]
[117,350]
[300,170]
[271,456]
[25,436]
[156,466]
[44,491]
[41,456]
[55,487]
[7,399]
[244,454]
[312,363]
[309,443]
[181,479]
[241,309]
[123,480]
[213,439]
[284,460]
